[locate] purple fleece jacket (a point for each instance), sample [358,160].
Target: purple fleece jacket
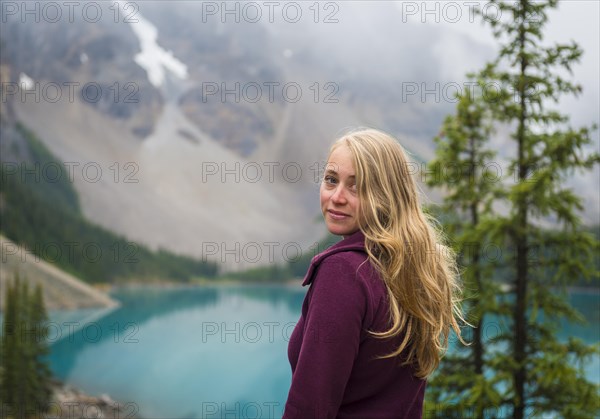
[335,373]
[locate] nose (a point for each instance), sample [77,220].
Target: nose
[339,196]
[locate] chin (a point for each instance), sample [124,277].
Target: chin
[339,230]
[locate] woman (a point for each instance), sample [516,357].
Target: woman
[376,318]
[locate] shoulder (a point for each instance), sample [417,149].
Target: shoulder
[348,261]
[347,285]
[347,272]
[345,257]
[349,265]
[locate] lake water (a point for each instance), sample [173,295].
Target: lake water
[204,351]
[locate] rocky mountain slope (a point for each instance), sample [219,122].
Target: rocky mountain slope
[191,131]
[61,290]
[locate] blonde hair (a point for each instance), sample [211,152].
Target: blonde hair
[405,246]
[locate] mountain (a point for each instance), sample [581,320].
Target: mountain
[204,133]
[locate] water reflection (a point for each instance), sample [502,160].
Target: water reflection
[207,351]
[72,333]
[186,352]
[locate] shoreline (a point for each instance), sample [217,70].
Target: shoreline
[199,283]
[295,282]
[68,402]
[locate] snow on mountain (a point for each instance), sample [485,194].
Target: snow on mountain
[153,58]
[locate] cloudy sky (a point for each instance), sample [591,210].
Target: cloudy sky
[435,41]
[573,20]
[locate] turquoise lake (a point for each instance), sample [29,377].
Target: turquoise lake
[195,352]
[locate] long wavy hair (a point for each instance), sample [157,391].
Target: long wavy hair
[405,245]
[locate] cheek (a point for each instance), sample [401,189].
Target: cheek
[323,195]
[355,203]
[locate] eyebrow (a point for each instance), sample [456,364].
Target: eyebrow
[333,172]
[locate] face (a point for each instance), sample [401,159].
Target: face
[339,198]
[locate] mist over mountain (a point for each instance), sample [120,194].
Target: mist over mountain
[210,133]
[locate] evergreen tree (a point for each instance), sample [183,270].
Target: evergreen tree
[42,391]
[10,346]
[464,168]
[25,379]
[547,375]
[529,371]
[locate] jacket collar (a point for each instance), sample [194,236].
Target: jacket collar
[356,242]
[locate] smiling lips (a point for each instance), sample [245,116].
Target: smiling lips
[336,215]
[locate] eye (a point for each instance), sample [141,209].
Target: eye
[329,180]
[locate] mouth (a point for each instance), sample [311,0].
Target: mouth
[337,215]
